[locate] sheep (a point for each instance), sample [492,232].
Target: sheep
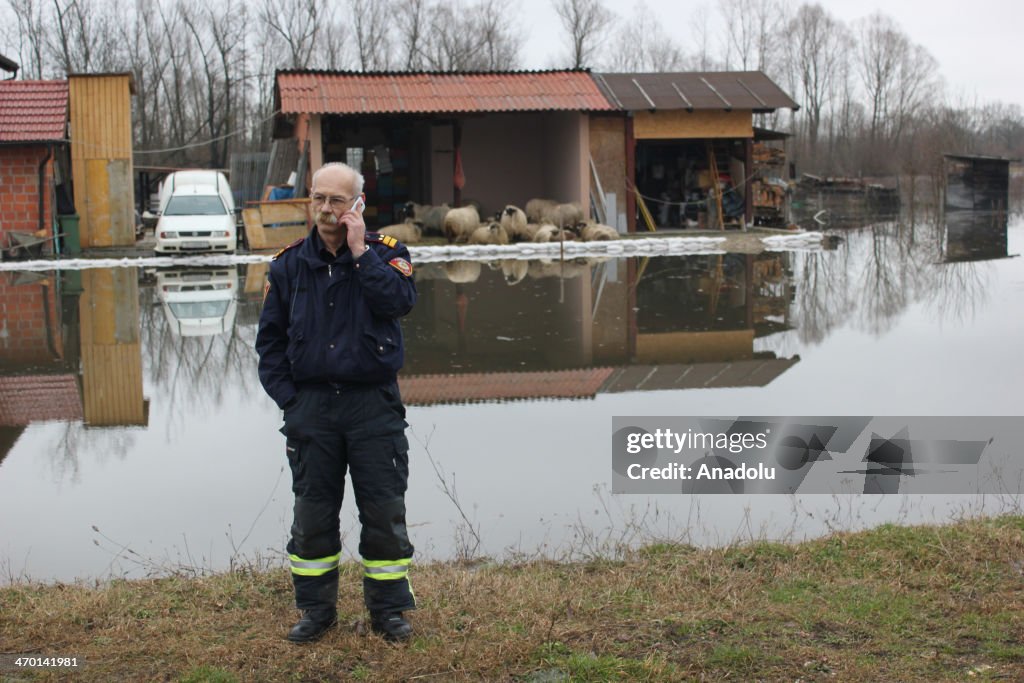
[489,234]
[408,232]
[460,223]
[462,272]
[536,207]
[563,214]
[593,232]
[549,233]
[514,270]
[513,220]
[431,217]
[475,204]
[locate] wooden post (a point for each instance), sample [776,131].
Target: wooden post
[630,175]
[456,144]
[748,182]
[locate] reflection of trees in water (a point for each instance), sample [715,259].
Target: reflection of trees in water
[72,438]
[876,273]
[190,375]
[962,288]
[823,292]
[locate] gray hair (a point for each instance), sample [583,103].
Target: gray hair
[340,164]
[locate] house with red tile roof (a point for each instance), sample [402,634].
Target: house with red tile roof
[33,144]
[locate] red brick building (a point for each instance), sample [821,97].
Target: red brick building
[33,134]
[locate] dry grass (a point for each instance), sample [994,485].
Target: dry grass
[894,603]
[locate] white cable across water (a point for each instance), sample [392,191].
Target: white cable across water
[648,246]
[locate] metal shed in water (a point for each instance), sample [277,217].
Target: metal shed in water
[976,183]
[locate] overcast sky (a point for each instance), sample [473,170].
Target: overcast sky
[977,43]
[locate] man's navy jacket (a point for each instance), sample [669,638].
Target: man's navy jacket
[329,319]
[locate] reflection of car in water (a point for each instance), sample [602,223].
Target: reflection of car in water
[198,302]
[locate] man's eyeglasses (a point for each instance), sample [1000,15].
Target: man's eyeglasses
[335,202]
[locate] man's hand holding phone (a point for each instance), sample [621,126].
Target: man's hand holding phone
[353,220]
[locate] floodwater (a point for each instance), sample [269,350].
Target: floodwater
[135,438]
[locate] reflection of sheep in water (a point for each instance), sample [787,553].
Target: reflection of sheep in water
[549,233]
[567,269]
[462,272]
[514,221]
[489,234]
[407,232]
[431,217]
[514,270]
[460,223]
[535,209]
[594,232]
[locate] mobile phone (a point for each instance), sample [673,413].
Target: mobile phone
[358,205]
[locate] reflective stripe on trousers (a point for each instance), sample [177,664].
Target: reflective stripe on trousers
[314,567]
[386,570]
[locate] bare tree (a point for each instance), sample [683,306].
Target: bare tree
[297,24]
[642,45]
[410,16]
[700,35]
[218,32]
[815,56]
[84,36]
[500,42]
[369,20]
[470,38]
[752,29]
[585,22]
[30,32]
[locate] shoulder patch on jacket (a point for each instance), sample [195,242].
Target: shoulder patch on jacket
[387,240]
[402,266]
[290,246]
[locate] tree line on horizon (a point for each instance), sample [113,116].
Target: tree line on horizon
[872,101]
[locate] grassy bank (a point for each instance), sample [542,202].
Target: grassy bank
[892,604]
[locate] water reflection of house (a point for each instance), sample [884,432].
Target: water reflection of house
[69,348]
[111,348]
[975,236]
[670,323]
[506,137]
[38,354]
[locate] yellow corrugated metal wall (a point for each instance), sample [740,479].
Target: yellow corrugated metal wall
[101,158]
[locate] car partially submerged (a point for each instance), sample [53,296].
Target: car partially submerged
[197,214]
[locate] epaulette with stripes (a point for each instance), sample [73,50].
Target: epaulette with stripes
[290,246]
[387,240]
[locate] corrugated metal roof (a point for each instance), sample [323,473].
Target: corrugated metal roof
[331,92]
[33,111]
[37,398]
[694,90]
[501,386]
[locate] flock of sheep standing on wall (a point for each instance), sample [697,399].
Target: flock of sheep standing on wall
[544,220]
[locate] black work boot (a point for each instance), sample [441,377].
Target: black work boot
[391,625]
[312,626]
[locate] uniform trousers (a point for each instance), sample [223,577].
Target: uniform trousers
[331,429]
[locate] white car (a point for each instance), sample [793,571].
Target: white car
[197,214]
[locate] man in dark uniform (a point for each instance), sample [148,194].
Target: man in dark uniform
[330,346]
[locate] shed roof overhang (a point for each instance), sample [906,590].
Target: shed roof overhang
[694,91]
